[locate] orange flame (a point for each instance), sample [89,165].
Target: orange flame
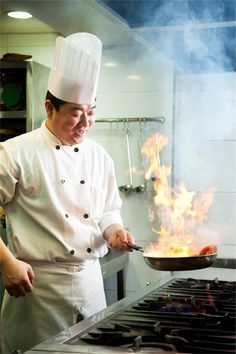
[179,211]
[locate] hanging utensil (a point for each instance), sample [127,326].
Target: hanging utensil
[127,187]
[142,187]
[176,263]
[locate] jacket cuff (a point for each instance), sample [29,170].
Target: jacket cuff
[110,218]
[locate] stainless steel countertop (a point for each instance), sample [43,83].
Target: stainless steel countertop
[229,263]
[113,262]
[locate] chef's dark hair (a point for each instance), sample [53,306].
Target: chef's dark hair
[56,102]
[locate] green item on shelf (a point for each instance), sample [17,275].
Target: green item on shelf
[11,95]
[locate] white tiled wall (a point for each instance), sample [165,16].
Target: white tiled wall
[205,163]
[40,46]
[206,107]
[205,147]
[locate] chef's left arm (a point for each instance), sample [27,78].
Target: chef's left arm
[111,224]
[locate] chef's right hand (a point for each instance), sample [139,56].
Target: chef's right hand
[17,277]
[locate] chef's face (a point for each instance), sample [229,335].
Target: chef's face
[71,122]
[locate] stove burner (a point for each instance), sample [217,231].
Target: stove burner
[149,347]
[136,342]
[196,284]
[182,316]
[197,342]
[182,304]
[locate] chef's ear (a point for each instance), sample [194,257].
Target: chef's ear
[49,108]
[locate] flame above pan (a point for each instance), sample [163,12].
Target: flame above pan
[182,214]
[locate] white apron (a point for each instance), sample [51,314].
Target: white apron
[60,294]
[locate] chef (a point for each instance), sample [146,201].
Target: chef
[59,192]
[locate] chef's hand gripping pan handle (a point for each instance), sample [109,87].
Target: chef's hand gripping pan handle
[135,247]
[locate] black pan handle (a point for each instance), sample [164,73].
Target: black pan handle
[135,247]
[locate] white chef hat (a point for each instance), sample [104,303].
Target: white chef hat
[76,63]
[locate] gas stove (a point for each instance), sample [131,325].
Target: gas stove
[184,315]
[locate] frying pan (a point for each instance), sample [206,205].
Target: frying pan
[177,263]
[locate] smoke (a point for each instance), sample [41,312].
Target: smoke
[195,34]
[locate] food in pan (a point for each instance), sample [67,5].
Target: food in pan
[208,250]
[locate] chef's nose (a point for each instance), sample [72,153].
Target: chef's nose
[84,120]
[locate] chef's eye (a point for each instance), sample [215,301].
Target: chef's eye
[90,113]
[77,114]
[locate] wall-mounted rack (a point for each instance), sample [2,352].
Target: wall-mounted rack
[132,120]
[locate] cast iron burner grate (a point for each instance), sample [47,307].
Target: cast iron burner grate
[183,316]
[191,283]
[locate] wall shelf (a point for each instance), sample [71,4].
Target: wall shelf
[12,114]
[27,114]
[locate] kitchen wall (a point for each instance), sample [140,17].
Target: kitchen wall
[205,149]
[40,46]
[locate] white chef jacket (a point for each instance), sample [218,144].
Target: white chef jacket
[58,201]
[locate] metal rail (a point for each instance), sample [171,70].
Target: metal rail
[132,120]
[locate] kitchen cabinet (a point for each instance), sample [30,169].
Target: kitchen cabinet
[23,90]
